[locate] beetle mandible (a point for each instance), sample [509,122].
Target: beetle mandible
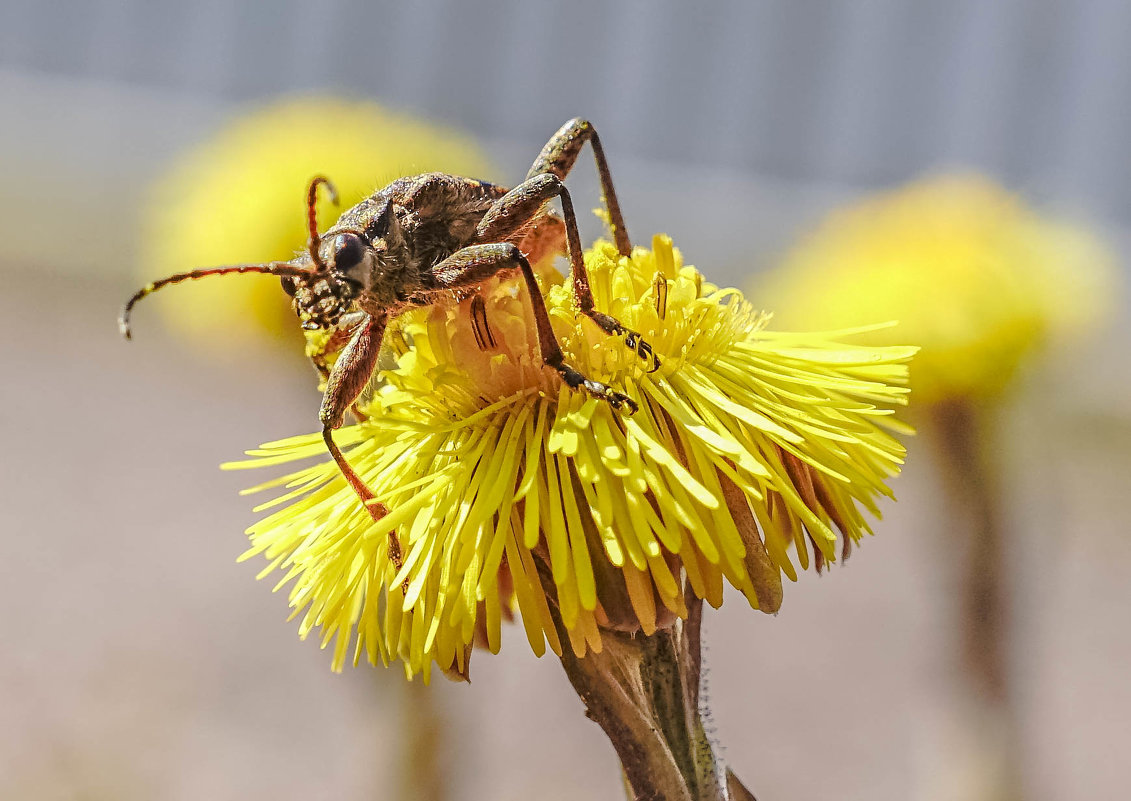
[418,240]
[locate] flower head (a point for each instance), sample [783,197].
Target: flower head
[973,276]
[238,197]
[750,451]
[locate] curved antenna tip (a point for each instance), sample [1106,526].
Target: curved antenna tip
[280,268]
[322,180]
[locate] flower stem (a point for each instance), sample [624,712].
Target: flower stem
[644,691]
[423,777]
[968,454]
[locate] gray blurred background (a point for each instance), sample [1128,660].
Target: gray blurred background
[139,661]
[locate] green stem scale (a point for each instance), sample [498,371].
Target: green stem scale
[644,692]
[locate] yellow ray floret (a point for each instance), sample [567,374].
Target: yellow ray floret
[752,452]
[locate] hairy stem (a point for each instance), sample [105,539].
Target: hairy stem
[643,691]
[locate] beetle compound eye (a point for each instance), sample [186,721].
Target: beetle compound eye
[349,250]
[288,285]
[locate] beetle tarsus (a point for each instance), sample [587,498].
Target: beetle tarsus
[576,380]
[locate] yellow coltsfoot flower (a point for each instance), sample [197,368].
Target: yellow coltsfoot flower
[976,278]
[233,198]
[751,453]
[983,284]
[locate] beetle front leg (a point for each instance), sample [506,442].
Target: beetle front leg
[346,381]
[516,208]
[558,157]
[337,339]
[476,263]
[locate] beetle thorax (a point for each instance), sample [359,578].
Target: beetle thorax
[390,277]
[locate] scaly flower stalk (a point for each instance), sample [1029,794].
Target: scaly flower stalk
[968,450]
[644,692]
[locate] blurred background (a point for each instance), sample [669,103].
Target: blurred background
[140,661]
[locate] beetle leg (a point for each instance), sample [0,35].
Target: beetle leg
[558,157]
[337,339]
[325,356]
[345,383]
[474,264]
[516,208]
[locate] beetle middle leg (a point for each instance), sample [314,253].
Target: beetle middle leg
[474,264]
[345,383]
[512,212]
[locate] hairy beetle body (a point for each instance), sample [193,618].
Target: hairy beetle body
[428,237]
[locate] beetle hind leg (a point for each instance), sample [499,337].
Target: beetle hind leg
[560,154]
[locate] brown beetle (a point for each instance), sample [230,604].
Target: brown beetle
[420,239]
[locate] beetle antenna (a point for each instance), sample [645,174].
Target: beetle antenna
[313,245]
[280,268]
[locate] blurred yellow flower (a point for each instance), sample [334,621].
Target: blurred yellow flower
[973,276]
[747,444]
[240,197]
